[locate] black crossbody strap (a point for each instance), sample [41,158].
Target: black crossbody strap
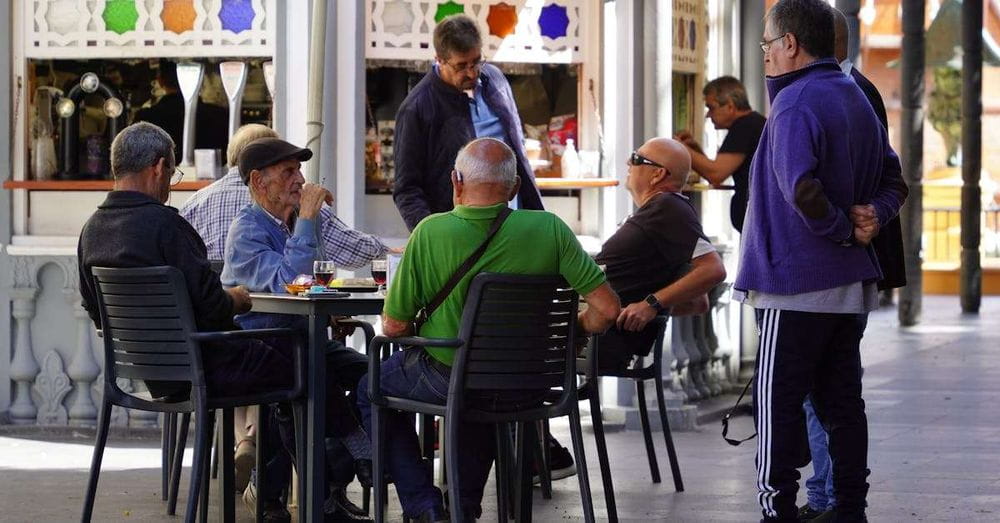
[463,269]
[725,419]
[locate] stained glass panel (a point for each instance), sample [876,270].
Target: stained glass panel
[502,19]
[178,15]
[447,9]
[236,15]
[120,15]
[397,18]
[553,21]
[62,16]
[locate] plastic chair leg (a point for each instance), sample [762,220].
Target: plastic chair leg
[602,455]
[299,413]
[263,442]
[202,433]
[581,464]
[522,490]
[647,433]
[225,449]
[178,462]
[501,472]
[668,438]
[166,452]
[542,460]
[378,463]
[454,479]
[95,464]
[206,479]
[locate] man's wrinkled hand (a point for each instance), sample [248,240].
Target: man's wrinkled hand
[864,235]
[635,316]
[863,215]
[241,299]
[313,198]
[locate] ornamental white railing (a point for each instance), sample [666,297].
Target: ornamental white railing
[530,31]
[86,29]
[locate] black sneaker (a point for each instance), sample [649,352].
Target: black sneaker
[807,513]
[560,462]
[339,509]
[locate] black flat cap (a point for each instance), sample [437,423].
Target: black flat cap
[265,152]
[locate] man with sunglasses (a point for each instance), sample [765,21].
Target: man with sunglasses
[728,108]
[460,99]
[822,182]
[659,261]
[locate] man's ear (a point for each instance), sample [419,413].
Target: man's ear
[457,183]
[792,47]
[255,178]
[516,189]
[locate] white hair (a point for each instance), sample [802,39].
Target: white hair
[474,167]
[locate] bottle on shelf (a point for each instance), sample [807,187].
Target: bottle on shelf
[570,162]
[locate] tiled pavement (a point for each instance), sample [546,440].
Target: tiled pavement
[933,395]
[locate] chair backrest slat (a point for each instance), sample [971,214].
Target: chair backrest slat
[145,324]
[147,319]
[518,329]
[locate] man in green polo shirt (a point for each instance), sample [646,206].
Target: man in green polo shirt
[529,242]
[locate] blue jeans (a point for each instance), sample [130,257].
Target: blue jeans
[819,488]
[410,374]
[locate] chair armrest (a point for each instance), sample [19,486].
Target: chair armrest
[298,351]
[363,325]
[375,357]
[243,334]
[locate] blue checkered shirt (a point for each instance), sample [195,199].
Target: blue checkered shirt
[212,209]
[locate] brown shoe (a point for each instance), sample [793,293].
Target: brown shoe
[245,459]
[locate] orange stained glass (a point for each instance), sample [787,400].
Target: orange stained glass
[178,15]
[502,19]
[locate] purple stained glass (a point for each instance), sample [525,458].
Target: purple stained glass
[553,21]
[236,15]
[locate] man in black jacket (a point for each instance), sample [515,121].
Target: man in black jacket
[461,98]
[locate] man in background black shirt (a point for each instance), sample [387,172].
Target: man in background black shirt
[728,108]
[659,261]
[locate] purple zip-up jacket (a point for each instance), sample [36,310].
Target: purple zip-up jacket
[822,151]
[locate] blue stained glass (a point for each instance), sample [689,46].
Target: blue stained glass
[236,15]
[553,21]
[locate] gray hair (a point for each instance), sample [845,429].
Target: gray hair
[139,146]
[456,33]
[727,89]
[477,165]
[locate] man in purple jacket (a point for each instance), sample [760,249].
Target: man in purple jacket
[823,179]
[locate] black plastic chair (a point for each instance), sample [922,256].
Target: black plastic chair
[150,335]
[589,390]
[517,334]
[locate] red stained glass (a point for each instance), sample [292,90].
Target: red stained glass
[502,19]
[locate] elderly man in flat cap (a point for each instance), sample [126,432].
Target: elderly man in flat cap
[270,242]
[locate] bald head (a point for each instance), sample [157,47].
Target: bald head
[671,154]
[841,35]
[487,161]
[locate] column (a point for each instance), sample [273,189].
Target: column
[971,276]
[83,368]
[911,138]
[23,367]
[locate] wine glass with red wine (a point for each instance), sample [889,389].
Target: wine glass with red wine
[323,272]
[379,268]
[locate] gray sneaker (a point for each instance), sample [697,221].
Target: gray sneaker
[274,511]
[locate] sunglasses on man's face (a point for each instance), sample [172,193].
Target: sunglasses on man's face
[636,159]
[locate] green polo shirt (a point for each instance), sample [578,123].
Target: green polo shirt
[529,242]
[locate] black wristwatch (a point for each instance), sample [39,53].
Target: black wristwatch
[655,303]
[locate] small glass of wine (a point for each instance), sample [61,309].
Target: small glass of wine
[323,272]
[379,267]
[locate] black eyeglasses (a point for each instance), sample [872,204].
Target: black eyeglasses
[636,159]
[176,177]
[462,68]
[766,44]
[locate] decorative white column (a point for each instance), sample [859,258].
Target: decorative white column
[23,367]
[83,369]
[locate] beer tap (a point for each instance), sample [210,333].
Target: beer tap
[234,80]
[189,77]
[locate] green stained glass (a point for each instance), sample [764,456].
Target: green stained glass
[120,16]
[447,9]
